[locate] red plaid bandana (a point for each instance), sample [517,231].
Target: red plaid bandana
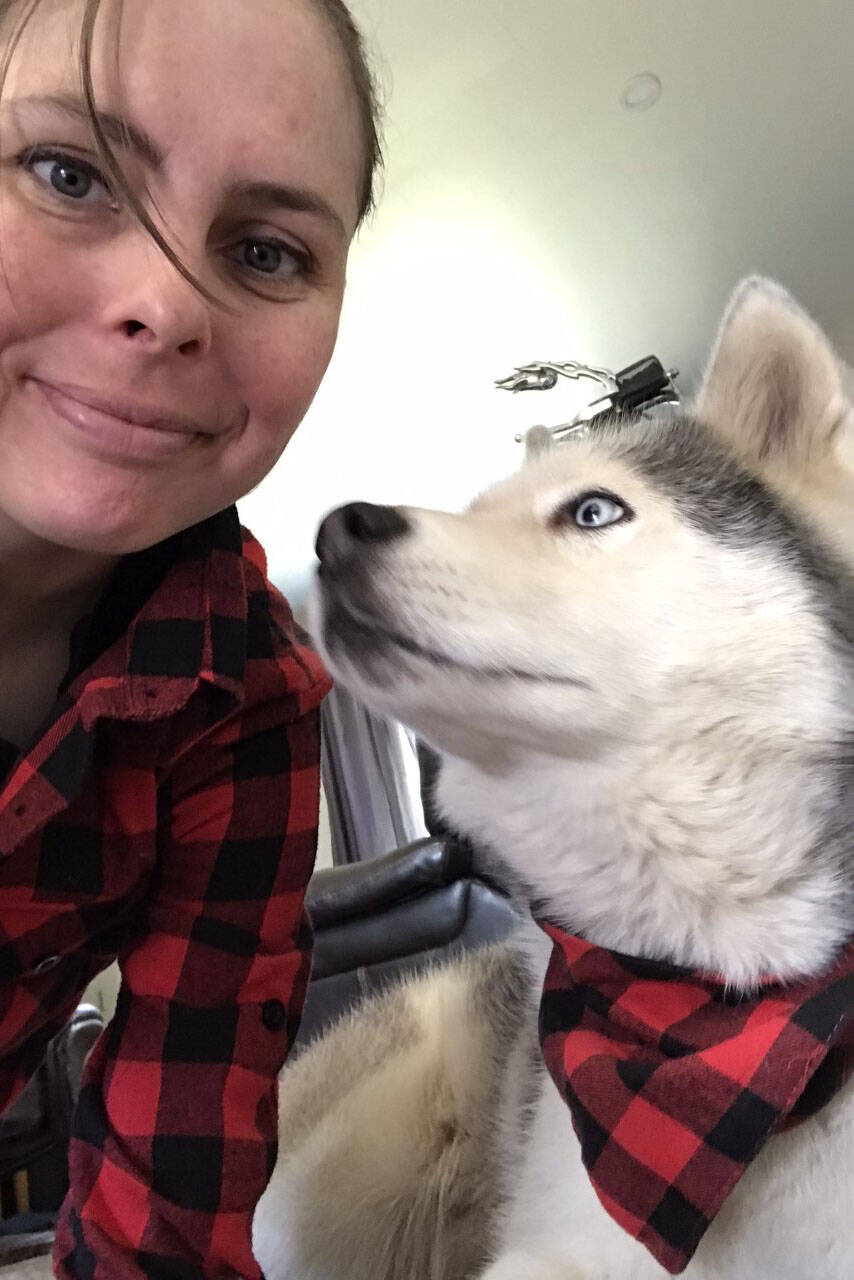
[674,1083]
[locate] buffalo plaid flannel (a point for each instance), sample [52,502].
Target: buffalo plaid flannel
[166,815]
[674,1083]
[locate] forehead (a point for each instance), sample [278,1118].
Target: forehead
[585,461]
[676,459]
[678,466]
[259,85]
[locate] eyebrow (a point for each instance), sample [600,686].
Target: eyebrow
[115,129]
[122,133]
[284,196]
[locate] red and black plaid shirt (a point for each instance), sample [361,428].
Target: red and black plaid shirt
[167,816]
[674,1083]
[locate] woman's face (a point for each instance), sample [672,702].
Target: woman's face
[243,138]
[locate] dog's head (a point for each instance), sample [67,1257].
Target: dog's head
[702,558]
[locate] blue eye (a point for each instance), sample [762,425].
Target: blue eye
[593,511]
[262,255]
[274,258]
[68,177]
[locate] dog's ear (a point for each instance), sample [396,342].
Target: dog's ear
[773,386]
[537,440]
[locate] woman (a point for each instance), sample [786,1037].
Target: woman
[179,187]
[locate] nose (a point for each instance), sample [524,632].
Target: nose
[356,525]
[155,308]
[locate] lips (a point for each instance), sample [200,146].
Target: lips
[119,427]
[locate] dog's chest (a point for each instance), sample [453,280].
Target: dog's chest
[791,1216]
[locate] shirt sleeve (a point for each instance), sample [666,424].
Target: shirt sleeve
[175,1131]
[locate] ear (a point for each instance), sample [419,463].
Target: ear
[537,440]
[773,386]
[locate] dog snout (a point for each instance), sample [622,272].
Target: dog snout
[356,525]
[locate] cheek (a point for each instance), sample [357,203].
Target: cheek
[40,281]
[279,367]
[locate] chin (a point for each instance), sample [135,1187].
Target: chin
[91,528]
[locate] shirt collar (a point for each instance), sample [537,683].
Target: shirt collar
[170,617]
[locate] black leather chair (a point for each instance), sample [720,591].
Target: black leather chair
[397,914]
[384,917]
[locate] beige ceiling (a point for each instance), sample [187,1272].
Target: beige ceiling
[646,220]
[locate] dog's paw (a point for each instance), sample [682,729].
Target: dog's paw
[521,1265]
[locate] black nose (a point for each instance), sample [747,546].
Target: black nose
[357,523]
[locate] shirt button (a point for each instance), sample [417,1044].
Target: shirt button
[273,1015]
[49,962]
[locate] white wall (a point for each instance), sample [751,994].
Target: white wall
[324,836]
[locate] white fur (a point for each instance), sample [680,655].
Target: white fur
[644,727]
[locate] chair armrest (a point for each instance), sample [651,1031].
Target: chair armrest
[338,895]
[376,921]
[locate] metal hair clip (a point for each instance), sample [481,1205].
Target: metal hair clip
[635,389]
[543,376]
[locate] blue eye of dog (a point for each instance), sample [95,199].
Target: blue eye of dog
[593,511]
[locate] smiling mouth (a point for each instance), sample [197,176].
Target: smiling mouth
[117,436]
[374,630]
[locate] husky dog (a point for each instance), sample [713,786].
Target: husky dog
[636,660]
